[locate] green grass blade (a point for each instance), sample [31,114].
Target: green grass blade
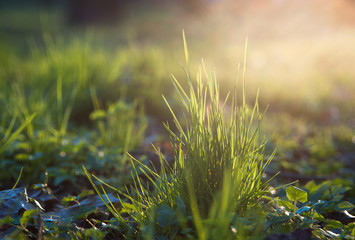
[185,49]
[18,179]
[10,137]
[112,210]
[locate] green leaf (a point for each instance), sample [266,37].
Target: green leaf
[27,215]
[277,219]
[344,206]
[165,216]
[296,194]
[98,114]
[287,205]
[82,212]
[148,230]
[350,226]
[318,205]
[279,223]
[303,209]
[180,206]
[127,208]
[306,223]
[318,217]
[333,224]
[6,220]
[92,233]
[67,200]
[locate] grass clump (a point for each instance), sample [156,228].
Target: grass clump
[219,145]
[216,179]
[215,151]
[219,155]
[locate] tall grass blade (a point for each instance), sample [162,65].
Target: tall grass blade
[18,179]
[10,136]
[186,50]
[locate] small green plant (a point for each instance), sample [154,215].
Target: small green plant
[7,133]
[122,125]
[219,156]
[296,195]
[313,213]
[218,168]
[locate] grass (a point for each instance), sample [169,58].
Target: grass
[60,94]
[70,101]
[213,151]
[121,124]
[215,186]
[8,135]
[217,174]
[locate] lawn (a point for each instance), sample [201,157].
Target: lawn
[177,120]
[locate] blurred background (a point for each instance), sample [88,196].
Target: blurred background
[300,53]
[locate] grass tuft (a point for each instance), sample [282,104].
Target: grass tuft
[217,175]
[219,150]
